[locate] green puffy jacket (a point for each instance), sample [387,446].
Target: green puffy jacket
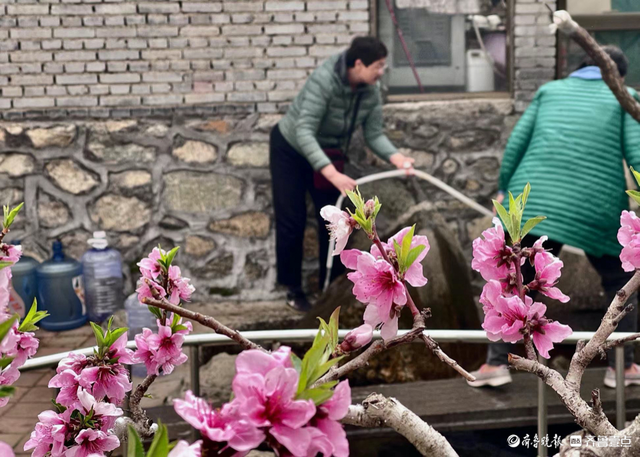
[570,145]
[321,114]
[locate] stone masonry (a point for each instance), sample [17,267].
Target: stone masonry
[203,183]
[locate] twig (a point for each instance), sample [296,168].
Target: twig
[617,342]
[597,403]
[610,73]
[583,358]
[438,352]
[138,414]
[207,321]
[377,409]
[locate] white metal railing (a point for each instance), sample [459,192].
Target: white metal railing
[265,337]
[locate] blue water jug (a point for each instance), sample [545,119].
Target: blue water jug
[60,292]
[23,285]
[102,277]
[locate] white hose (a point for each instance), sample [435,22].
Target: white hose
[398,173]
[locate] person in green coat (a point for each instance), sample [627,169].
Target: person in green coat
[340,95]
[570,145]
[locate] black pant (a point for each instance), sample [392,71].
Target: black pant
[291,178]
[613,278]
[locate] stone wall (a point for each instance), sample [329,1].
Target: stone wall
[204,184]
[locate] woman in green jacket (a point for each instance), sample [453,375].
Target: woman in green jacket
[338,96]
[570,145]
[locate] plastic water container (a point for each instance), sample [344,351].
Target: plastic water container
[23,285]
[138,317]
[480,77]
[102,276]
[60,292]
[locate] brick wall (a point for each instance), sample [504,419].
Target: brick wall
[535,49]
[59,54]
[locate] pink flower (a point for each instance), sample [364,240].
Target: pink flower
[49,434]
[27,346]
[268,401]
[106,380]
[5,282]
[67,378]
[5,450]
[9,344]
[357,338]
[545,332]
[414,274]
[10,253]
[144,353]
[327,422]
[93,443]
[179,287]
[103,412]
[119,351]
[147,288]
[221,426]
[375,281]
[255,361]
[629,238]
[547,273]
[506,318]
[491,254]
[164,349]
[340,226]
[149,267]
[183,449]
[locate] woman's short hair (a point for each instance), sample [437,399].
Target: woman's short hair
[616,55]
[367,49]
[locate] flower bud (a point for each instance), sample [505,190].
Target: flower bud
[369,208]
[357,338]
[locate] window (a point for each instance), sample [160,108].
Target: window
[615,22]
[445,40]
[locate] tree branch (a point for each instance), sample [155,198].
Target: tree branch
[207,321]
[581,359]
[438,352]
[377,410]
[590,419]
[139,415]
[610,73]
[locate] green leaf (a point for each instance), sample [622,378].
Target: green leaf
[171,255]
[4,264]
[635,195]
[9,216]
[33,317]
[58,406]
[530,224]
[134,447]
[97,331]
[525,195]
[311,359]
[320,370]
[515,225]
[160,445]
[179,328]
[114,335]
[636,175]
[319,395]
[504,216]
[356,198]
[156,311]
[297,362]
[7,391]
[333,326]
[6,326]
[5,361]
[413,255]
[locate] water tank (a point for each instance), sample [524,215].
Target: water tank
[480,77]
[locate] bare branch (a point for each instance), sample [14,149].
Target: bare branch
[139,415]
[377,410]
[610,73]
[617,342]
[597,403]
[207,321]
[583,358]
[595,423]
[438,352]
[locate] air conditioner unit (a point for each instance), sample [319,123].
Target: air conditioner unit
[436,43]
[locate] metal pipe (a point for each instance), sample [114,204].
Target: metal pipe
[303,336]
[620,406]
[195,370]
[396,174]
[542,412]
